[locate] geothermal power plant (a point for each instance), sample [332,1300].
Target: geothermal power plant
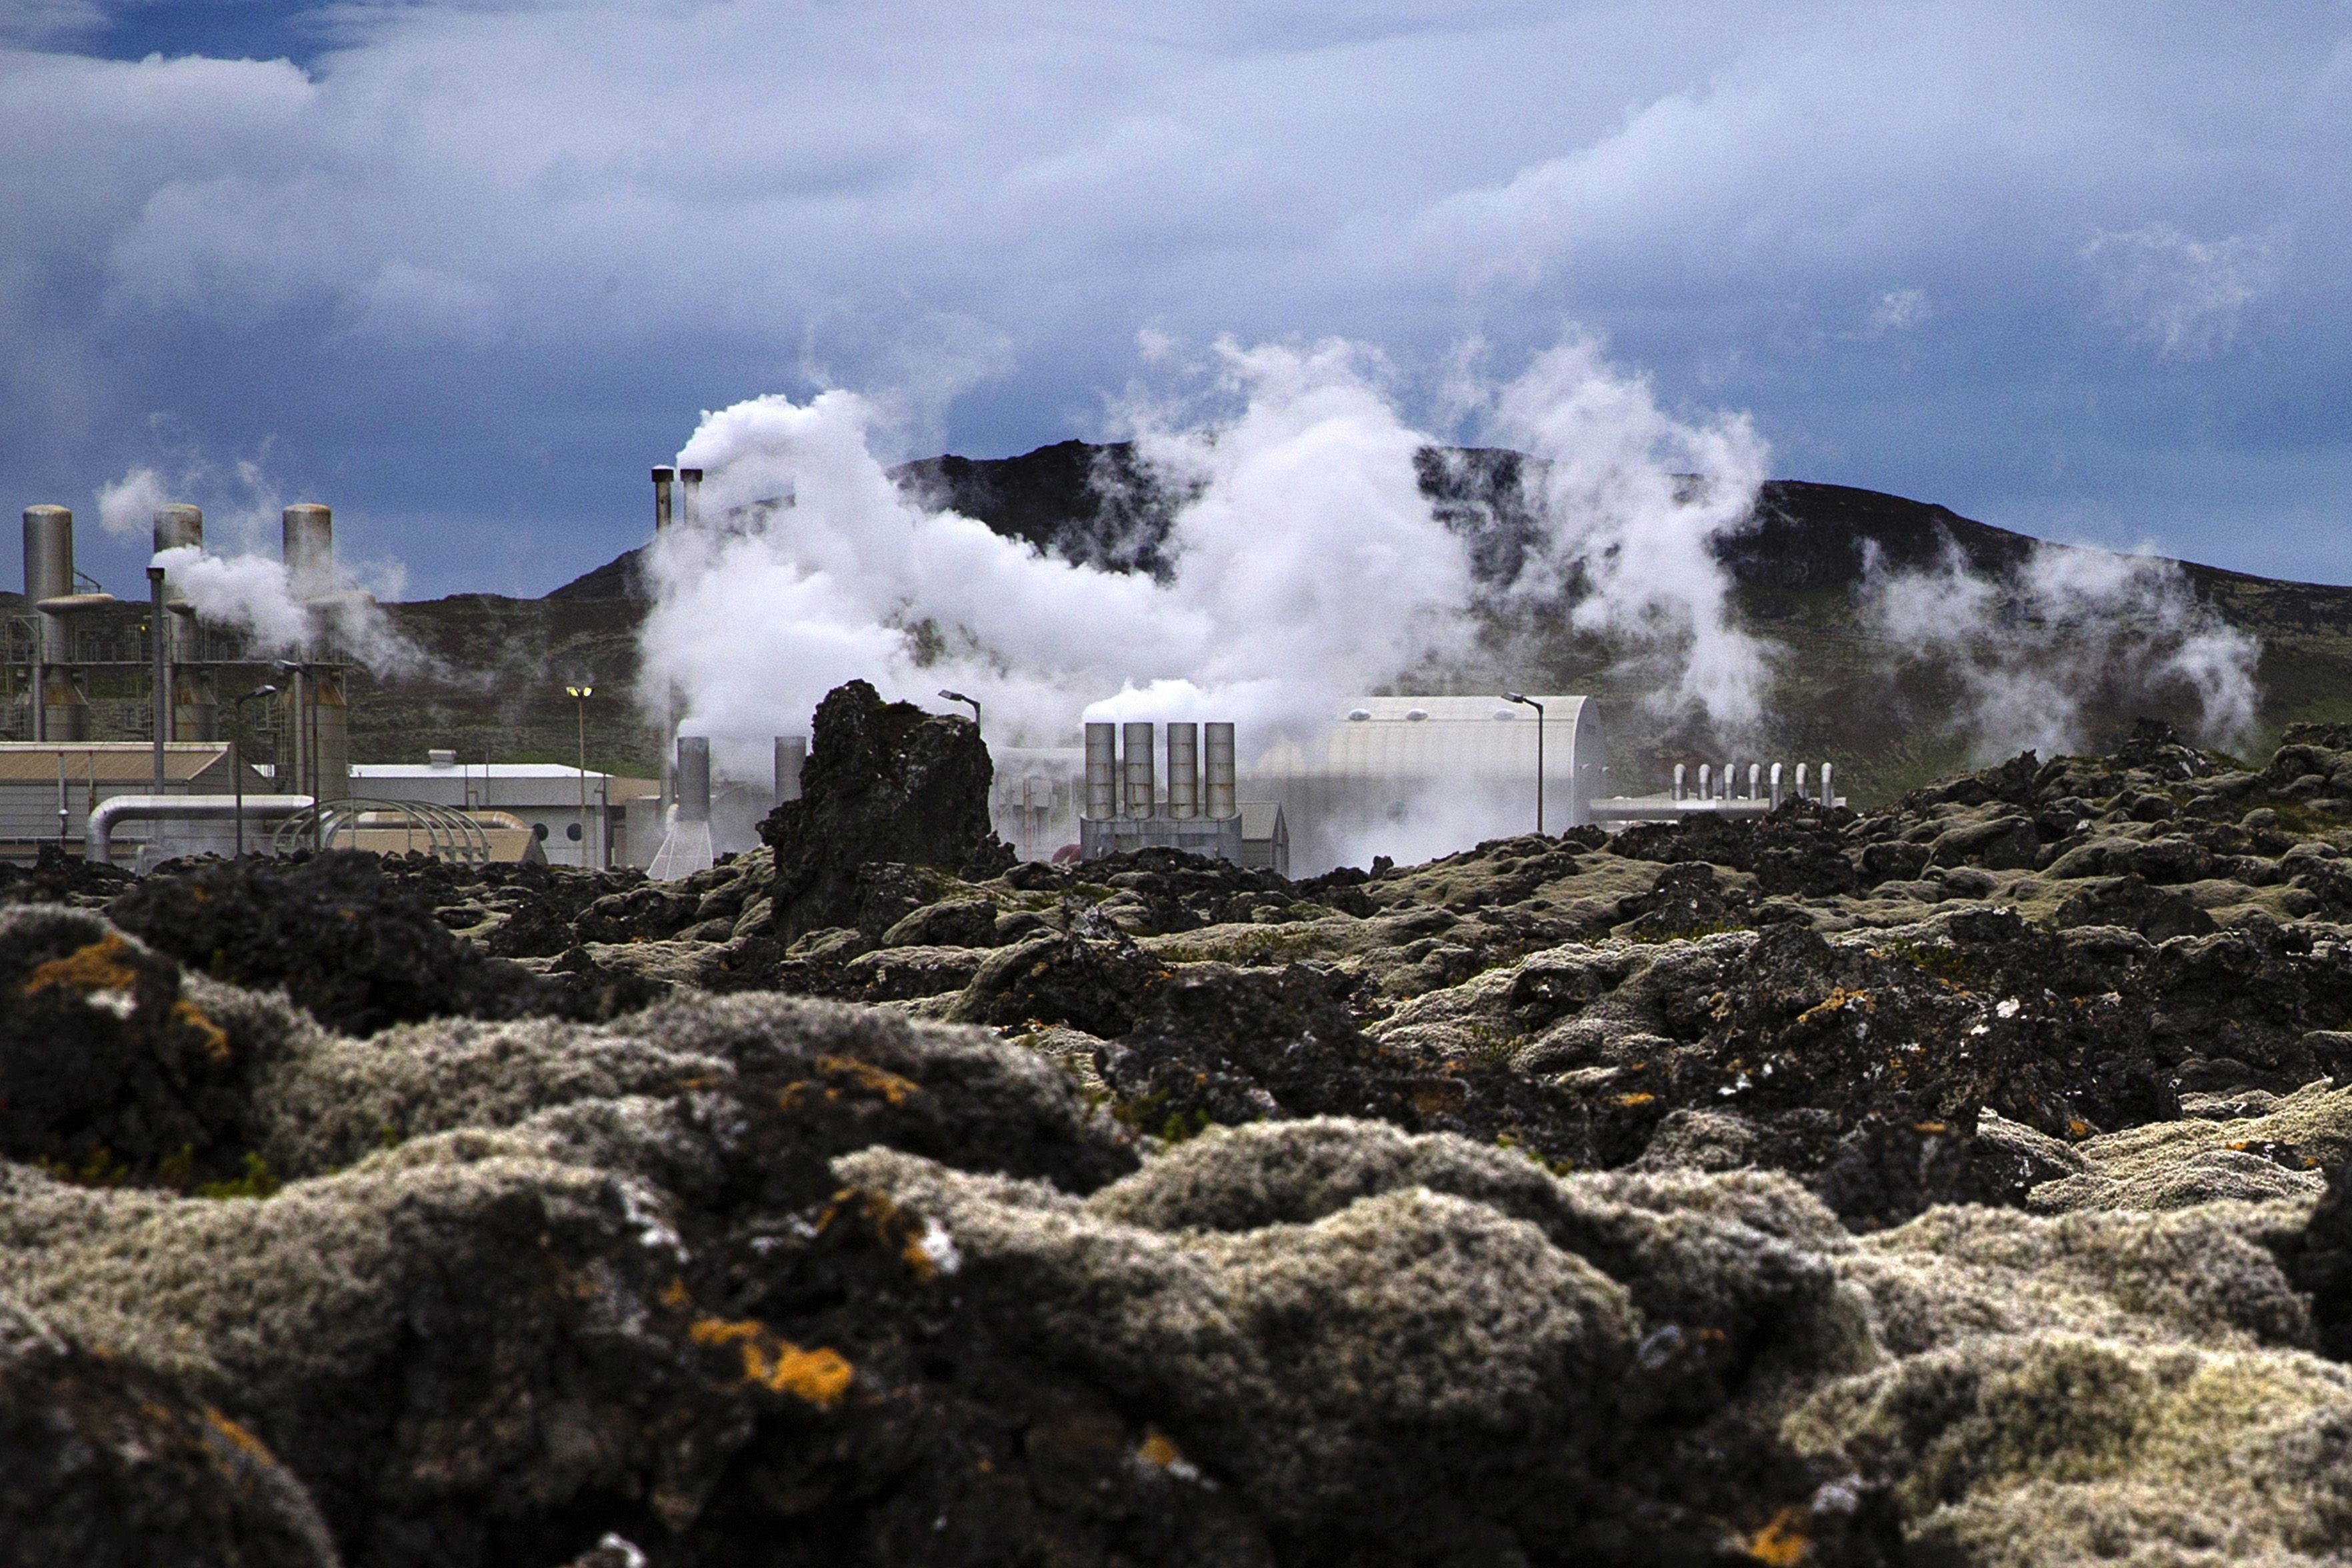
[251,752]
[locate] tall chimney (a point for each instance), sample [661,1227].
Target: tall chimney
[1142,799]
[1102,771]
[60,709]
[308,531]
[693,778]
[690,481]
[1184,770]
[662,477]
[792,756]
[1224,793]
[195,699]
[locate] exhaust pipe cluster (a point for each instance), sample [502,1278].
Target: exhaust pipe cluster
[1121,779]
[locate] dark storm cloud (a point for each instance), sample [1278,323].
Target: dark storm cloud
[464,269]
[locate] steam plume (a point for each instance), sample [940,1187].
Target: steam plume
[2031,649]
[1305,563]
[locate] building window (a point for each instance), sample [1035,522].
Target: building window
[572,833]
[539,831]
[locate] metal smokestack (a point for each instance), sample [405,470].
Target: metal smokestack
[309,534]
[1184,770]
[177,525]
[1142,799]
[690,481]
[662,477]
[693,778]
[792,756]
[195,699]
[1224,795]
[59,712]
[1102,771]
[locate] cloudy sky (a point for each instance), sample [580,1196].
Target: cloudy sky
[465,268]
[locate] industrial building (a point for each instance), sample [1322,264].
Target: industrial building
[576,818]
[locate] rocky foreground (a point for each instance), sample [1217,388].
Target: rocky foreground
[1962,1182]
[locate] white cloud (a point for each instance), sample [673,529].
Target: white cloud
[2183,295]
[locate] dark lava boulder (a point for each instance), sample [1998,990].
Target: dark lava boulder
[104,1464]
[350,947]
[884,781]
[109,1069]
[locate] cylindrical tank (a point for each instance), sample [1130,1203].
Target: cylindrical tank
[308,532]
[1102,772]
[1223,795]
[315,734]
[691,484]
[792,756]
[176,525]
[693,778]
[65,707]
[662,477]
[196,696]
[1135,746]
[1184,770]
[49,552]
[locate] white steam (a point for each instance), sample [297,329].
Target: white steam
[248,591]
[1635,501]
[2033,651]
[1305,566]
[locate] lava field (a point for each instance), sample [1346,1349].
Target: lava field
[1962,1182]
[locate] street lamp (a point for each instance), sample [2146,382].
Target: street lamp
[1531,702]
[580,695]
[236,753]
[959,697]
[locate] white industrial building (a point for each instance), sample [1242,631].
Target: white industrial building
[545,797]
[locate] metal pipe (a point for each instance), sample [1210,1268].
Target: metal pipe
[161,679]
[49,574]
[1184,770]
[690,482]
[693,778]
[1706,781]
[1776,786]
[1829,790]
[1102,771]
[662,480]
[1755,779]
[97,838]
[306,533]
[1678,781]
[1223,795]
[1136,745]
[1800,783]
[792,756]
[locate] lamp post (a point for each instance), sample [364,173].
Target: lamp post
[1531,702]
[959,697]
[580,695]
[236,753]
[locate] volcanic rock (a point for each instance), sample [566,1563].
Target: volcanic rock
[884,783]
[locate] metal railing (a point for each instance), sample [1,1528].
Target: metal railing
[441,831]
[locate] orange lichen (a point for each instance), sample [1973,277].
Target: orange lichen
[848,1072]
[1929,1127]
[1837,1001]
[99,966]
[214,1037]
[1782,1543]
[2077,1127]
[818,1377]
[1639,1097]
[675,1294]
[1158,1450]
[240,1438]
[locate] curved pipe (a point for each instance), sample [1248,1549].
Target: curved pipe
[98,839]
